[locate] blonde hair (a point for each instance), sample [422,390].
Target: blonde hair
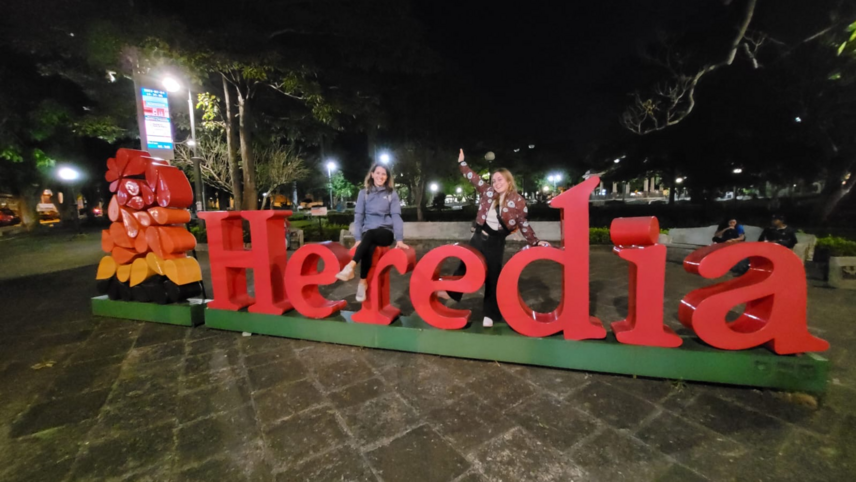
[370,182]
[509,178]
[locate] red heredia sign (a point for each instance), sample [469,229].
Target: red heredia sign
[774,289]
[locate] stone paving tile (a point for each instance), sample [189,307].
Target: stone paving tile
[651,389]
[679,473]
[614,456]
[114,457]
[157,352]
[341,373]
[222,397]
[616,407]
[469,422]
[420,455]
[222,433]
[694,446]
[379,418]
[58,412]
[500,389]
[558,382]
[83,377]
[554,422]
[263,358]
[211,361]
[266,376]
[742,425]
[428,392]
[226,469]
[304,435]
[517,456]
[343,464]
[136,413]
[221,341]
[47,455]
[281,401]
[156,333]
[359,393]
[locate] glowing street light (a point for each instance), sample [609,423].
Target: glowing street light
[617,161]
[459,190]
[679,180]
[434,187]
[68,174]
[737,170]
[330,167]
[546,188]
[385,158]
[171,84]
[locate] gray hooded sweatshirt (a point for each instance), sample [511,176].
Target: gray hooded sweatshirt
[378,208]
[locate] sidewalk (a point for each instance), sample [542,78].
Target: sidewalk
[85,398]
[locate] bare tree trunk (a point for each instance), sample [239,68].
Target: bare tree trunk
[245,131]
[835,189]
[234,167]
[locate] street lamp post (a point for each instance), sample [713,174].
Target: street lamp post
[172,85]
[69,174]
[330,166]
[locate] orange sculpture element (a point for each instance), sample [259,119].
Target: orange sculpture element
[106,268]
[106,241]
[774,291]
[426,282]
[267,260]
[138,249]
[572,315]
[303,278]
[181,271]
[376,309]
[635,240]
[161,215]
[140,271]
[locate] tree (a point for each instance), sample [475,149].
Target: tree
[342,188]
[215,164]
[279,166]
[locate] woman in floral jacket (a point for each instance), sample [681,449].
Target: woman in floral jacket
[502,211]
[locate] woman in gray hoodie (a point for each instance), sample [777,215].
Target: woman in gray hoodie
[377,222]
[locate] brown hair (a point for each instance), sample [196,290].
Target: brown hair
[370,182]
[509,178]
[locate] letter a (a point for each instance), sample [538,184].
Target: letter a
[774,290]
[572,316]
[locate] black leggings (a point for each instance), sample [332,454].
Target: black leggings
[371,239]
[491,244]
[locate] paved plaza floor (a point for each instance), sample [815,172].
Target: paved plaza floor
[87,398]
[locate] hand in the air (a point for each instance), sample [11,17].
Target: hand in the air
[544,244]
[400,244]
[461,156]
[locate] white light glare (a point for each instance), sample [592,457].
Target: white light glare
[384,158]
[434,187]
[68,174]
[171,85]
[737,170]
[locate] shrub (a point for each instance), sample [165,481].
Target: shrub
[200,233]
[599,236]
[837,246]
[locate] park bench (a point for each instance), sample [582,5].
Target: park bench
[680,242]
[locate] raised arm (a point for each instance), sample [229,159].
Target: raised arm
[471,175]
[359,215]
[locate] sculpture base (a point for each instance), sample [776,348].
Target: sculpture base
[693,361]
[188,313]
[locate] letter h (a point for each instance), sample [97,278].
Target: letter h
[229,260]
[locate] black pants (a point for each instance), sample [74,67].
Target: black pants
[491,244]
[371,240]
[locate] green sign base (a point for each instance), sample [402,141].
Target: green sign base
[189,313]
[693,361]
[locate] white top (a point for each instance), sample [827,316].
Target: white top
[492,220]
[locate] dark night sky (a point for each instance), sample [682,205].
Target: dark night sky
[554,70]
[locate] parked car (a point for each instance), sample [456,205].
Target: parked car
[8,217]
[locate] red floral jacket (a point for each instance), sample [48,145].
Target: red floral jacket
[513,211]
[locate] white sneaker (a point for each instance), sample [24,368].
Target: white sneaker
[346,274]
[487,322]
[361,292]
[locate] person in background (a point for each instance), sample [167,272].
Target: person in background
[731,233]
[780,233]
[377,222]
[502,211]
